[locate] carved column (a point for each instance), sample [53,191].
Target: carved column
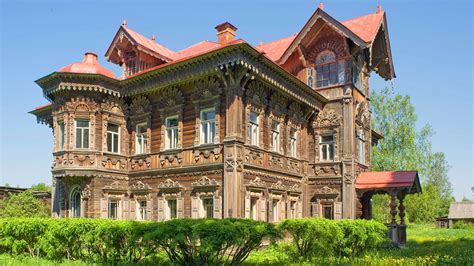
[401,209]
[393,208]
[348,190]
[233,199]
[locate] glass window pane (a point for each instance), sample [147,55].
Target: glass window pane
[85,145]
[109,142]
[116,143]
[253,117]
[78,138]
[331,152]
[327,138]
[172,122]
[324,152]
[112,128]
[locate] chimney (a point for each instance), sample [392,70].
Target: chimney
[379,8]
[321,5]
[225,33]
[90,58]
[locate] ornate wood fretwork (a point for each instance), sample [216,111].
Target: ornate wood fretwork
[139,186]
[170,97]
[327,169]
[278,105]
[363,114]
[204,182]
[257,183]
[328,118]
[115,186]
[206,89]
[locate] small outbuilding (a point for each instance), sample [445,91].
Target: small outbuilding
[461,211]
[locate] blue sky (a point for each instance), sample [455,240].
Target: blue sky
[432,46]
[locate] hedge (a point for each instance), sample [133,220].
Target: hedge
[182,241]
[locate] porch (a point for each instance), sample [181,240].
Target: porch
[397,184]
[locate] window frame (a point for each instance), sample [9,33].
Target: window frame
[254,125]
[211,127]
[142,211]
[171,213]
[75,206]
[276,136]
[141,139]
[293,138]
[175,133]
[327,70]
[112,135]
[82,129]
[207,214]
[115,216]
[361,146]
[62,137]
[327,144]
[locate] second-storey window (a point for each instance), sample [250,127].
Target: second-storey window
[327,148]
[82,134]
[309,74]
[253,128]
[361,146]
[172,132]
[141,139]
[112,138]
[275,136]
[293,139]
[208,126]
[61,135]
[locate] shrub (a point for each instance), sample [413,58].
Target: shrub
[312,237]
[315,237]
[18,236]
[209,241]
[461,225]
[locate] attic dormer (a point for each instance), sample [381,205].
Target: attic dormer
[135,52]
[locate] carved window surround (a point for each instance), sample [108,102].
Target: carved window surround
[207,94]
[294,120]
[170,190]
[277,111]
[82,108]
[205,188]
[206,151]
[328,122]
[255,101]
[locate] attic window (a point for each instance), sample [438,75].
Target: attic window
[326,69]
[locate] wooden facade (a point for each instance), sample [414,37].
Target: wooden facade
[284,145]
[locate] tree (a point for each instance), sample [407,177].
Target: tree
[22,205]
[405,148]
[40,187]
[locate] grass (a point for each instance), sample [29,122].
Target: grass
[426,245]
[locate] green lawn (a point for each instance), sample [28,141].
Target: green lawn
[426,245]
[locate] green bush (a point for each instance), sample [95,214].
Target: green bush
[209,241]
[315,237]
[22,235]
[461,225]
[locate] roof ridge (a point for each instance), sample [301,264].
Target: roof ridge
[359,17]
[277,40]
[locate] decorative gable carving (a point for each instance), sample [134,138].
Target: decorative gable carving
[257,182]
[207,89]
[140,105]
[278,104]
[139,185]
[204,182]
[326,192]
[328,118]
[256,93]
[170,184]
[170,97]
[295,113]
[278,186]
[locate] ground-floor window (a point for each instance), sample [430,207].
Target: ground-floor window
[275,211]
[293,209]
[208,207]
[75,203]
[113,209]
[328,212]
[172,211]
[253,208]
[142,211]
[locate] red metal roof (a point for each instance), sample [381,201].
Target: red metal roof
[366,26]
[89,65]
[387,179]
[149,44]
[275,49]
[196,49]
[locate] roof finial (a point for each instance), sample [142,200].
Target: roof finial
[379,8]
[153,38]
[124,23]
[321,5]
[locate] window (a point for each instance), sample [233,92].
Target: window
[309,74]
[293,209]
[326,69]
[293,138]
[75,203]
[361,146]
[327,148]
[112,138]
[253,208]
[61,135]
[82,134]
[141,139]
[142,212]
[275,136]
[172,209]
[208,206]
[356,76]
[113,209]
[253,128]
[275,211]
[208,126]
[172,132]
[327,212]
